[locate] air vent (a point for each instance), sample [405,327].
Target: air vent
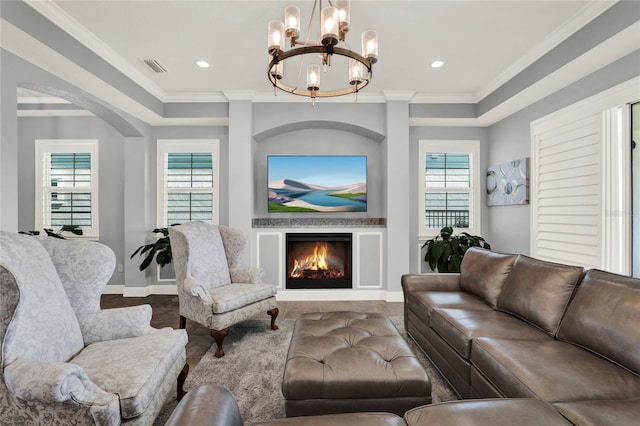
[155,65]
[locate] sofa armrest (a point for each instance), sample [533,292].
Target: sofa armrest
[117,323]
[246,275]
[206,404]
[430,282]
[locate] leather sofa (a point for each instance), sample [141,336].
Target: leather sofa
[510,326]
[214,405]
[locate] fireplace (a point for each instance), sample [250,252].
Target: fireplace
[318,260]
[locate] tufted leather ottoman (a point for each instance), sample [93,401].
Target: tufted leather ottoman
[347,362]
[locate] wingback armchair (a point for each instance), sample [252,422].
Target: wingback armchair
[64,360]
[213,289]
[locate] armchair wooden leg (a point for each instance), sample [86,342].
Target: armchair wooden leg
[181,379]
[273,314]
[218,336]
[183,322]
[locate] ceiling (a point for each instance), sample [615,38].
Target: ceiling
[483,43]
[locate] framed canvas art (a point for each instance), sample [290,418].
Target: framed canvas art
[317,183]
[508,183]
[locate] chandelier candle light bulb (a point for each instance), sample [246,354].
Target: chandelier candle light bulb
[344,13]
[370,45]
[332,27]
[275,38]
[292,21]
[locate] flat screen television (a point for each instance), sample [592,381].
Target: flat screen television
[317,183]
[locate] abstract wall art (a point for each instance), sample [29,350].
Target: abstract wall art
[508,183]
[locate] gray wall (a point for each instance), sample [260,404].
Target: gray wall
[445,133]
[509,226]
[111,173]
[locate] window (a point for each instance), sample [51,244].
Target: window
[67,185]
[449,189]
[187,181]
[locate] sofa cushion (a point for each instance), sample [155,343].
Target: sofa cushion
[550,370]
[598,413]
[133,368]
[539,291]
[604,317]
[495,412]
[44,326]
[458,327]
[422,303]
[233,296]
[483,273]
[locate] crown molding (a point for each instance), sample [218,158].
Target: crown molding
[54,113]
[399,95]
[445,98]
[195,97]
[367,97]
[587,14]
[67,23]
[239,95]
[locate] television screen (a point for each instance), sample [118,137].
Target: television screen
[317,183]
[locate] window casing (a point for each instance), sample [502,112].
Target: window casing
[188,176]
[67,185]
[449,189]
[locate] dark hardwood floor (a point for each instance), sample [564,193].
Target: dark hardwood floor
[165,314]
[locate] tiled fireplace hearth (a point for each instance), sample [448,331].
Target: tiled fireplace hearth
[322,258]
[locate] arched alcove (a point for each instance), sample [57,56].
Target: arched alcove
[316,137]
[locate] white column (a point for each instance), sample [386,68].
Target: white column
[397,194]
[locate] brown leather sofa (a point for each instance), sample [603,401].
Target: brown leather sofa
[510,326]
[213,405]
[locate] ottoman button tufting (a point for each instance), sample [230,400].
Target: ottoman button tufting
[366,366]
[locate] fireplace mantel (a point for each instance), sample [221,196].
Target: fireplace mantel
[320,222]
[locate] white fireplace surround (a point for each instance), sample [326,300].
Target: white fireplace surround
[368,245]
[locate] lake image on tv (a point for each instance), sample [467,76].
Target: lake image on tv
[317,183]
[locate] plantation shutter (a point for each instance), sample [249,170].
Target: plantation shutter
[188,177]
[68,192]
[567,200]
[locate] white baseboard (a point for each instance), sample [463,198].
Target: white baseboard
[395,296]
[284,295]
[113,289]
[169,289]
[335,295]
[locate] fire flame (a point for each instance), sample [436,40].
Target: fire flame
[315,262]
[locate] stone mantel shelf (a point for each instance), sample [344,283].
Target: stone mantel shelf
[320,222]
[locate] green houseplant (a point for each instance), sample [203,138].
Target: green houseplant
[445,251]
[160,249]
[74,229]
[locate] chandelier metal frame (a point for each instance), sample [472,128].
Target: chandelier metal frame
[326,48]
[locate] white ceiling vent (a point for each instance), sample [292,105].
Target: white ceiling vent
[154,65]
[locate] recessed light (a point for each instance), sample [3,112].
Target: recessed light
[202,63]
[437,63]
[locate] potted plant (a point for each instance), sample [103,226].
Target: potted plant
[160,249]
[74,229]
[445,251]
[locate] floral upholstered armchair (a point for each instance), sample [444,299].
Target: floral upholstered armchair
[64,360]
[213,289]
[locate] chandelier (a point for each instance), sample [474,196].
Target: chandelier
[333,27]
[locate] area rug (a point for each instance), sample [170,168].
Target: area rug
[253,366]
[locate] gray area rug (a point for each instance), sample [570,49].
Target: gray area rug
[253,366]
